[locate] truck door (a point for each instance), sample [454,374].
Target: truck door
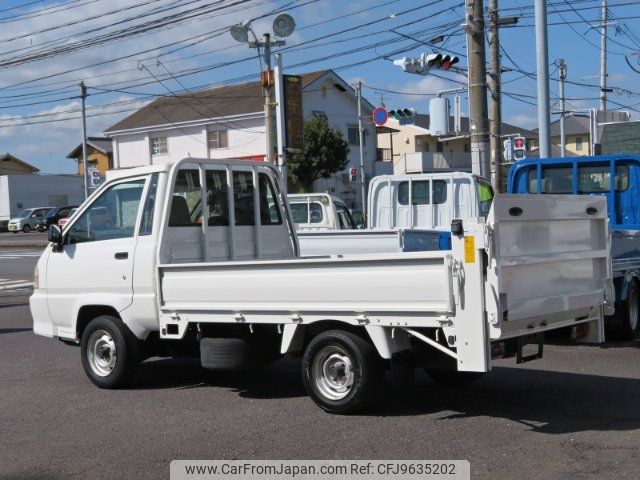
[95,265]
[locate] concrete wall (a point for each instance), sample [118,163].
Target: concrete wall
[18,192]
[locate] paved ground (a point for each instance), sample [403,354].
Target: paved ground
[574,414]
[23,240]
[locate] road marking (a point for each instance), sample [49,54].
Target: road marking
[15,254]
[6,284]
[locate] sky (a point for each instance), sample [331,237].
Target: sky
[128,52]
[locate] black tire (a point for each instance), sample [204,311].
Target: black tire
[118,366]
[629,312]
[453,378]
[26,228]
[225,354]
[334,350]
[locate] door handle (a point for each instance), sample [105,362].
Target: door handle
[122,255]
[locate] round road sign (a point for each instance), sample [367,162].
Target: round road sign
[380,116]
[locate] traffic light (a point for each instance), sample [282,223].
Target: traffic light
[447,62]
[405,116]
[427,61]
[353,174]
[519,148]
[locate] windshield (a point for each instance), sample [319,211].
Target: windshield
[51,212]
[485,197]
[25,213]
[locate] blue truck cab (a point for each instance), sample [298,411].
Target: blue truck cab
[617,177]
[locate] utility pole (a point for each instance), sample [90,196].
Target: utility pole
[562,74]
[495,123]
[603,58]
[267,90]
[542,61]
[360,141]
[83,96]
[280,123]
[478,110]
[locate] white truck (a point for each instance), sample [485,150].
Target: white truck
[194,260]
[325,227]
[436,199]
[314,212]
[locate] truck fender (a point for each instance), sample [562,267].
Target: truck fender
[388,340]
[292,338]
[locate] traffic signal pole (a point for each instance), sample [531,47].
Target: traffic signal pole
[360,141]
[478,110]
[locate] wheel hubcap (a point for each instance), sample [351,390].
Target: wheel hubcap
[101,353]
[333,372]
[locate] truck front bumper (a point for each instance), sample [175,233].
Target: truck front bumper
[42,324]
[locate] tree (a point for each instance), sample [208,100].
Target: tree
[325,152]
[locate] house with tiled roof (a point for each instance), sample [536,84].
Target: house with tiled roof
[99,155]
[11,165]
[228,122]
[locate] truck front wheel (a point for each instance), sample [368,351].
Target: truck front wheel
[107,351]
[341,371]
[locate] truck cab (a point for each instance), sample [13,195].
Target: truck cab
[320,211]
[427,200]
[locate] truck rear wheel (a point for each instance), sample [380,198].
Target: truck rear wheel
[107,350]
[630,313]
[341,372]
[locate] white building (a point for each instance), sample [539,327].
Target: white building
[228,122]
[18,192]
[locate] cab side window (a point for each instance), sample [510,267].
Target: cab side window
[113,215]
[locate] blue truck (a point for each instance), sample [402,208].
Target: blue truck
[616,177]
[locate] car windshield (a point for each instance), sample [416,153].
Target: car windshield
[51,212]
[73,210]
[25,213]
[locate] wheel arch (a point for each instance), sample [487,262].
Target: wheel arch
[86,313]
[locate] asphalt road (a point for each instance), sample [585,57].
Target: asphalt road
[574,414]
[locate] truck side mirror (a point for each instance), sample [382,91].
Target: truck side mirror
[55,236]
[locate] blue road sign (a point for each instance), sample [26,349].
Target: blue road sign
[380,116]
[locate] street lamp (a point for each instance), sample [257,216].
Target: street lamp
[283,26]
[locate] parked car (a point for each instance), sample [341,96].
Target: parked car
[27,219]
[63,221]
[53,216]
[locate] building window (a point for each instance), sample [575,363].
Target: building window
[579,144]
[439,147]
[353,137]
[159,146]
[218,139]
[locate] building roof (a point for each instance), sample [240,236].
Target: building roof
[573,125]
[7,157]
[101,144]
[422,121]
[219,102]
